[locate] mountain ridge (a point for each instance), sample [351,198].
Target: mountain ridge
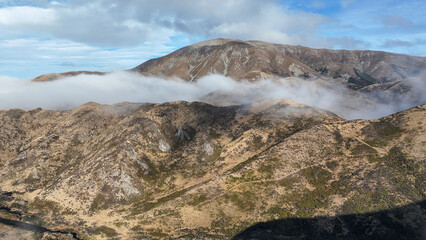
[351,67]
[193,169]
[278,60]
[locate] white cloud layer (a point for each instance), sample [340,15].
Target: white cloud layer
[25,17]
[127,23]
[122,86]
[112,23]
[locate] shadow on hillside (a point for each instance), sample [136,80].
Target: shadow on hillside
[33,228]
[407,222]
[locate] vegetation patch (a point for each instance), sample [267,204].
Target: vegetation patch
[257,142]
[405,174]
[259,122]
[338,138]
[246,177]
[103,200]
[216,153]
[121,224]
[363,149]
[369,201]
[150,174]
[364,77]
[306,203]
[267,169]
[143,205]
[214,134]
[245,201]
[332,165]
[221,221]
[280,212]
[107,231]
[316,175]
[157,233]
[380,133]
[44,206]
[243,164]
[136,228]
[197,199]
[288,182]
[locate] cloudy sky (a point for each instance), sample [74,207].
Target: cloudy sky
[40,36]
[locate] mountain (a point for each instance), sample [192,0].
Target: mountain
[358,82]
[254,60]
[55,76]
[183,170]
[219,169]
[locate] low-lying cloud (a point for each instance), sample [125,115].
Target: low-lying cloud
[122,86]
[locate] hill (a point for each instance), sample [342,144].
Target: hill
[193,170]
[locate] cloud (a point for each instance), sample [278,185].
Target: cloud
[112,23]
[398,43]
[42,56]
[349,43]
[318,4]
[26,17]
[346,3]
[88,23]
[122,86]
[397,21]
[273,24]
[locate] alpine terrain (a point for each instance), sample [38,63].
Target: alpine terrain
[222,169]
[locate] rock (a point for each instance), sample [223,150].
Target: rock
[144,166]
[163,146]
[296,70]
[34,174]
[182,135]
[207,148]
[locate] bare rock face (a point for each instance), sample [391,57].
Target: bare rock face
[163,146]
[193,170]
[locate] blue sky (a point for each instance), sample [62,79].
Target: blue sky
[41,36]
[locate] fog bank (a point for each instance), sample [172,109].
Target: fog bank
[123,86]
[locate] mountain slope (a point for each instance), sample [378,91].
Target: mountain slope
[253,60]
[193,170]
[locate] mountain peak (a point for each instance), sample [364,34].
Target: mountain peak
[213,42]
[253,60]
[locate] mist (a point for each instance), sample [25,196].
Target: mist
[124,86]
